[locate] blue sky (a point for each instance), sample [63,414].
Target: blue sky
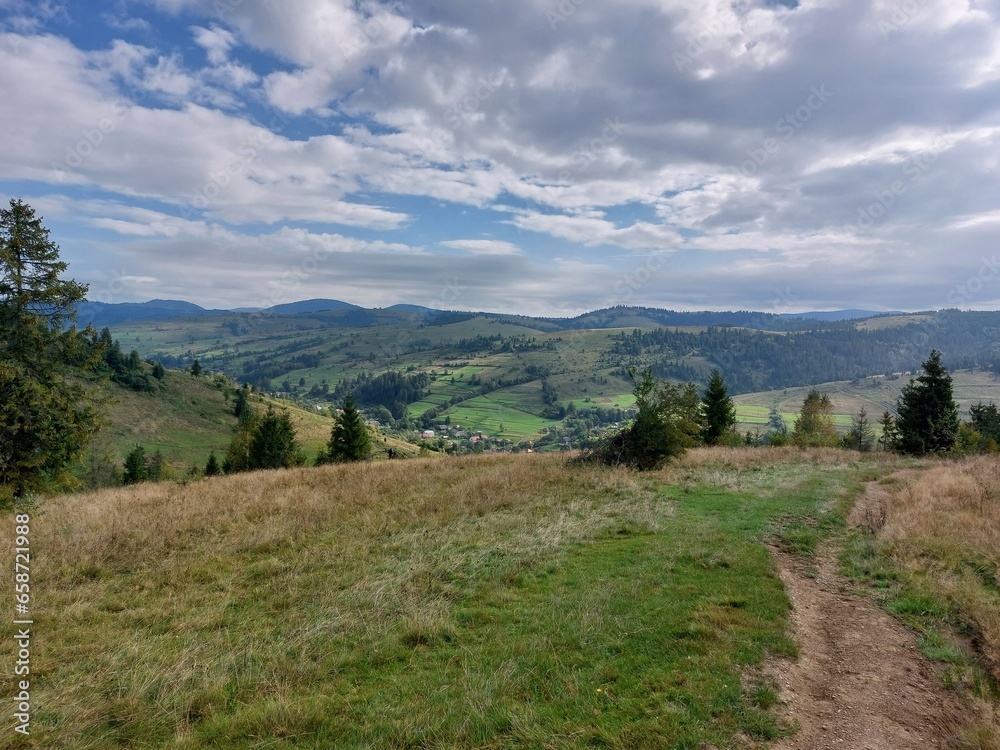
[532,156]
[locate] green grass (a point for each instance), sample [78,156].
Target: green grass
[481,602]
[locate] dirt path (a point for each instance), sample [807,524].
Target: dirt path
[859,681]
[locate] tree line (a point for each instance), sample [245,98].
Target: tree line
[673,418]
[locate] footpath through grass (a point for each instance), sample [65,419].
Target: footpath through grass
[488,601]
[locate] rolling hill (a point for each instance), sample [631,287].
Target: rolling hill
[517,377]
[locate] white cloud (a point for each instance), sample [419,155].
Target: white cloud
[216,42]
[484,247]
[617,130]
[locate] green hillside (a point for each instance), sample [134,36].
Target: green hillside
[516,377]
[186,418]
[876,395]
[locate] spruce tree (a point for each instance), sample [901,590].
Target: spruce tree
[212,468]
[241,407]
[349,439]
[273,445]
[861,436]
[717,409]
[46,416]
[927,414]
[890,435]
[135,469]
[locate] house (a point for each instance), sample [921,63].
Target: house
[427,435]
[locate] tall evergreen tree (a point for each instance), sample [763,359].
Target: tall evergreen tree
[890,435]
[273,445]
[212,468]
[986,420]
[927,414]
[349,438]
[814,427]
[135,469]
[241,407]
[718,410]
[46,417]
[861,436]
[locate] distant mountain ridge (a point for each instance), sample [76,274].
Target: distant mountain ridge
[101,314]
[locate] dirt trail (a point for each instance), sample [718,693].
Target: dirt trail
[859,682]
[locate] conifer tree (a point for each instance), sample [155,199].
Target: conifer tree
[718,410]
[241,407]
[46,417]
[890,435]
[135,469]
[273,445]
[212,468]
[349,439]
[927,414]
[861,436]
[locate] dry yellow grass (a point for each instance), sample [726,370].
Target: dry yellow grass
[149,590]
[945,529]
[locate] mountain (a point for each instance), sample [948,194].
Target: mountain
[102,314]
[838,315]
[310,306]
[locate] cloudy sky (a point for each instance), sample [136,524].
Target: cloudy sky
[536,156]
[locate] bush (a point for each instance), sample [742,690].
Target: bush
[668,423]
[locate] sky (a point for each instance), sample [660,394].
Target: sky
[545,157]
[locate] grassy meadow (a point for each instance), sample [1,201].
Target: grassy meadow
[929,548]
[488,601]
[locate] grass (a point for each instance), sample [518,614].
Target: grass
[491,601]
[933,557]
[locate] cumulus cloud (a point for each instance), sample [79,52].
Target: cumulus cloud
[753,145]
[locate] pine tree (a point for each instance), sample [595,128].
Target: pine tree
[890,435]
[718,410]
[242,408]
[212,468]
[814,427]
[349,439]
[928,415]
[273,445]
[861,436]
[135,470]
[196,368]
[46,417]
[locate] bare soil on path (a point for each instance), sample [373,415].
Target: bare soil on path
[859,681]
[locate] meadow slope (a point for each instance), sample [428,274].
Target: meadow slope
[490,601]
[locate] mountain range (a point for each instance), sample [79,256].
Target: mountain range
[101,314]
